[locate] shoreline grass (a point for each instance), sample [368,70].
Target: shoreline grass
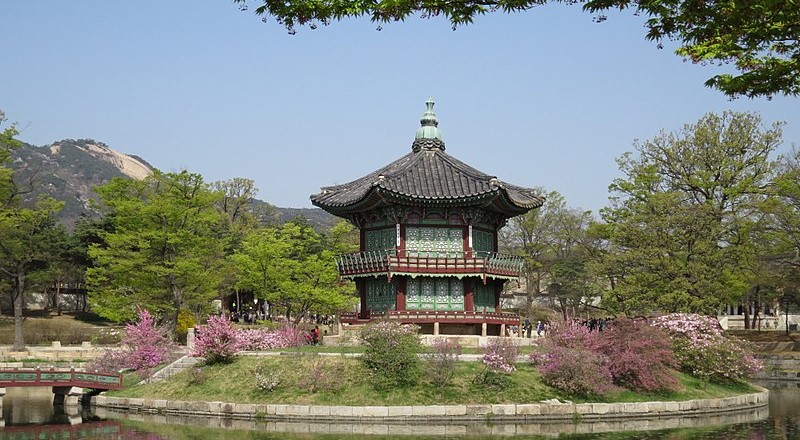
[310,379]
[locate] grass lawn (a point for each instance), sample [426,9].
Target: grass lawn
[318,380]
[41,328]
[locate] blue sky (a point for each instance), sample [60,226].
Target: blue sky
[545,98]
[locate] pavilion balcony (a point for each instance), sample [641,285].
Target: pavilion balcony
[390,262]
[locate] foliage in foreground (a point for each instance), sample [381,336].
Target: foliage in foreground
[758,38]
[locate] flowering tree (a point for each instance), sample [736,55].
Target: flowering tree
[145,345]
[217,341]
[703,350]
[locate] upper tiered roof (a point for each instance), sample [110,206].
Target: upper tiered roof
[427,176]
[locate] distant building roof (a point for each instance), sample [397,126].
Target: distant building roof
[427,176]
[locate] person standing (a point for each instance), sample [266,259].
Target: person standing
[539,328]
[528,328]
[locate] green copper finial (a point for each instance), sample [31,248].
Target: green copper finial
[430,125]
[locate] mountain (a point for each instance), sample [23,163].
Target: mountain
[69,170]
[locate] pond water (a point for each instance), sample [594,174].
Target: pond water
[28,414]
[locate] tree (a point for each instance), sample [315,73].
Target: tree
[783,209]
[28,238]
[291,267]
[163,251]
[553,241]
[760,38]
[27,234]
[681,219]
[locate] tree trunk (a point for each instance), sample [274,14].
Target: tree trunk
[19,300]
[57,298]
[177,302]
[746,307]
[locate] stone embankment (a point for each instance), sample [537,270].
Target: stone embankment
[444,413]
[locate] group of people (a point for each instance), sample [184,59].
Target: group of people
[528,327]
[248,317]
[313,336]
[596,324]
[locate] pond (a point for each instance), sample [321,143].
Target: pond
[28,414]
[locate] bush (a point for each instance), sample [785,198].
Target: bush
[499,358]
[639,356]
[268,379]
[322,375]
[391,354]
[185,322]
[442,360]
[703,350]
[218,341]
[577,371]
[572,361]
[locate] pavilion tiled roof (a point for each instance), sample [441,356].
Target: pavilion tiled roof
[427,176]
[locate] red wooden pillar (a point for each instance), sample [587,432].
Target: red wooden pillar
[498,289]
[400,301]
[401,247]
[362,292]
[469,295]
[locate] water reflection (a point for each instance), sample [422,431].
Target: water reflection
[30,415]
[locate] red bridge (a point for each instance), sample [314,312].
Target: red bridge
[59,378]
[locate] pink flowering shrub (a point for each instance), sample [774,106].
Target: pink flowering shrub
[639,356]
[144,346]
[499,359]
[265,339]
[703,350]
[442,361]
[217,341]
[500,355]
[148,344]
[577,371]
[572,362]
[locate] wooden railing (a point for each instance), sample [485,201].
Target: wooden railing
[457,263]
[429,316]
[59,378]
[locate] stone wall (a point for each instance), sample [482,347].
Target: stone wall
[484,428]
[442,413]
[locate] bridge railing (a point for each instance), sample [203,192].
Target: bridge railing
[59,378]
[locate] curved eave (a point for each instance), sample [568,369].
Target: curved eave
[497,200]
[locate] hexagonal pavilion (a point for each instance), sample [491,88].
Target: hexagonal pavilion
[428,225]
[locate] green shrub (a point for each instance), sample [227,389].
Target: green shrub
[390,354]
[185,322]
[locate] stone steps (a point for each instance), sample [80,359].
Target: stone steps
[183,363]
